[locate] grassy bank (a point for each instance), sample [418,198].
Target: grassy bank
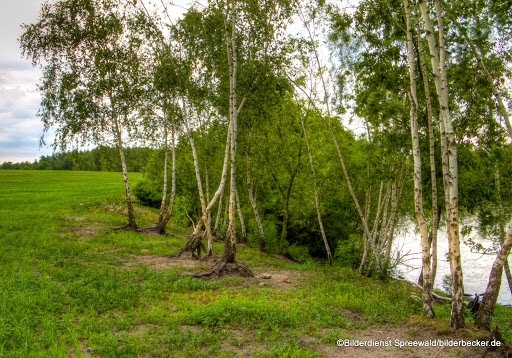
[70,286]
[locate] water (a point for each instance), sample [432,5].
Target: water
[476,267]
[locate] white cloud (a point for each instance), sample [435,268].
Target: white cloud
[20,128]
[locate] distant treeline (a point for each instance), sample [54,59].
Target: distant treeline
[98,159]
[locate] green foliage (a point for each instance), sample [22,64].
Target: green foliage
[102,158]
[348,252]
[299,253]
[147,194]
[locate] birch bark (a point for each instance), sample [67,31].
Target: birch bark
[450,168]
[418,190]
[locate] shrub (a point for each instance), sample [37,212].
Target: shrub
[349,252]
[299,253]
[147,194]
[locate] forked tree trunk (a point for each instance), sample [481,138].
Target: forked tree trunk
[427,298]
[195,238]
[396,193]
[166,163]
[438,60]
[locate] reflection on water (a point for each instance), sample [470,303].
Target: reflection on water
[476,267]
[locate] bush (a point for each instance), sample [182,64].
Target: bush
[349,252]
[299,253]
[147,194]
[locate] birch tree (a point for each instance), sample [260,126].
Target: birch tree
[418,191]
[437,50]
[91,81]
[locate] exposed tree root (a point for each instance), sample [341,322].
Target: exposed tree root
[226,269]
[194,247]
[127,226]
[153,230]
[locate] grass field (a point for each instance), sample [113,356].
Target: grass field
[70,286]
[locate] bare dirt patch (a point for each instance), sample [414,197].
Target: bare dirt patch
[142,329]
[161,263]
[193,329]
[279,279]
[85,350]
[242,342]
[80,227]
[85,233]
[395,335]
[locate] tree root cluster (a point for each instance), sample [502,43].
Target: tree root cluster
[226,269]
[194,247]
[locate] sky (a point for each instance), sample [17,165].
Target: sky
[20,128]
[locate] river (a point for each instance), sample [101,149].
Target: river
[476,267]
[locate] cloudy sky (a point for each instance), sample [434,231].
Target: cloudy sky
[20,128]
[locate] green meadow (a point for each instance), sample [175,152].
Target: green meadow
[71,286]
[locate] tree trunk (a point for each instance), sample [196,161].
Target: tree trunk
[160,227]
[164,190]
[252,199]
[131,213]
[202,200]
[218,216]
[427,299]
[502,232]
[432,159]
[230,241]
[241,217]
[396,193]
[286,201]
[438,59]
[317,200]
[486,310]
[220,189]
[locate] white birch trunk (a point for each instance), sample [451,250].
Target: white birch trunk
[164,190]
[432,159]
[240,217]
[131,214]
[197,173]
[230,240]
[438,60]
[418,190]
[160,228]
